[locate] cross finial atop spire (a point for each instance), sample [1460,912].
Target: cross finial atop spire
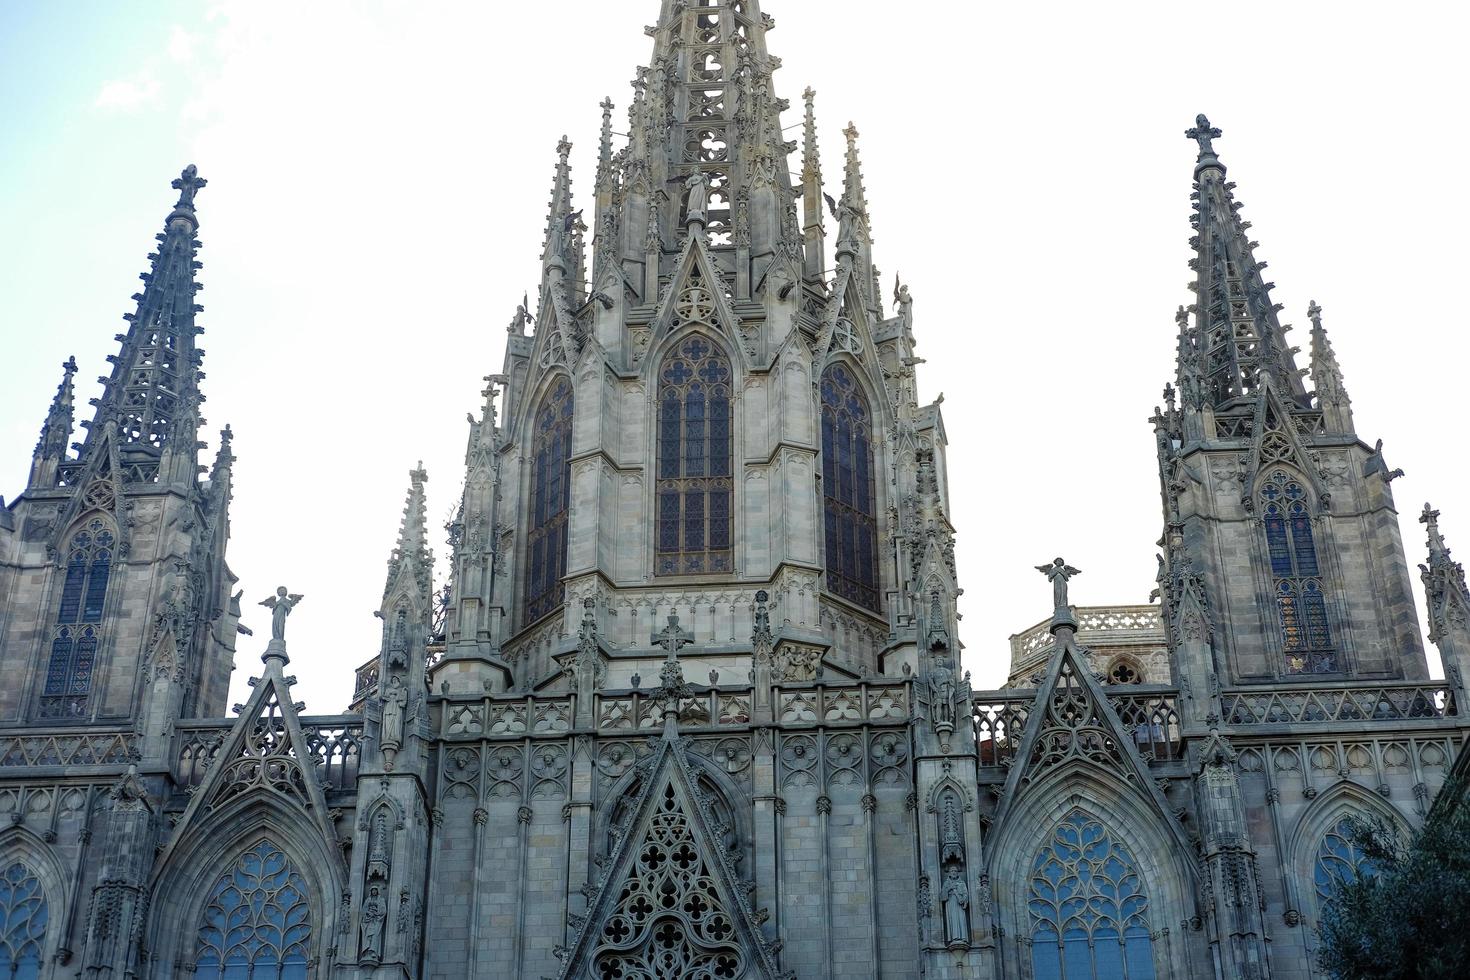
[188,184]
[1204,134]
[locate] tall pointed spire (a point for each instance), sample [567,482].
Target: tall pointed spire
[854,230]
[811,190]
[410,568]
[562,235]
[1449,602]
[56,431]
[1241,340]
[152,398]
[1332,395]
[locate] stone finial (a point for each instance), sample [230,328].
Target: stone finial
[280,606]
[1204,134]
[1059,573]
[188,184]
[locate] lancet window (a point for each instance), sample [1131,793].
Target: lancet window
[257,920]
[1297,577]
[22,922]
[1339,860]
[551,477]
[1088,907]
[849,498]
[78,628]
[695,488]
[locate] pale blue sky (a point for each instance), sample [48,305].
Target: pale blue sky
[378,183]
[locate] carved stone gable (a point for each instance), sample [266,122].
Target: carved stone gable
[669,905]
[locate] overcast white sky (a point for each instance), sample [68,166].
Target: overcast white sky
[378,182]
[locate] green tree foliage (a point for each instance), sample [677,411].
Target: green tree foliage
[1406,914]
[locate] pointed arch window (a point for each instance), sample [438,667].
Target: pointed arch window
[1339,860]
[695,487]
[1088,907]
[23,918]
[257,920]
[1296,577]
[78,627]
[849,501]
[551,479]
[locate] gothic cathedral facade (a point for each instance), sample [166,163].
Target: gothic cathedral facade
[688,702]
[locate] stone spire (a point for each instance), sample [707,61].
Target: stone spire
[813,207]
[562,236]
[1236,330]
[410,569]
[854,230]
[1332,395]
[56,431]
[705,105]
[152,399]
[221,474]
[1449,602]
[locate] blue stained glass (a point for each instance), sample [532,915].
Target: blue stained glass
[695,461]
[257,922]
[1088,907]
[850,499]
[97,587]
[71,590]
[23,920]
[1339,860]
[546,540]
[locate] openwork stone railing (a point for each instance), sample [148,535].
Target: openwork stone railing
[1334,704]
[1000,721]
[500,716]
[334,743]
[67,749]
[1152,714]
[1129,622]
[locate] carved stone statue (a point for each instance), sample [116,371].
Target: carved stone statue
[698,184]
[941,687]
[955,896]
[394,699]
[280,606]
[374,917]
[1058,573]
[904,304]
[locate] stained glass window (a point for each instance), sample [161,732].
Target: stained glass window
[694,486]
[1297,577]
[849,500]
[78,629]
[1339,860]
[257,921]
[551,478]
[1089,909]
[22,922]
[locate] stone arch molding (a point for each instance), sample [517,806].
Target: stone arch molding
[1344,799]
[19,845]
[181,886]
[1170,878]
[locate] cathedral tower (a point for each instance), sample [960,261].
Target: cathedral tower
[1282,553]
[703,410]
[115,599]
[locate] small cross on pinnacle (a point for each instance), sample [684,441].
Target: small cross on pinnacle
[188,184]
[1203,133]
[672,637]
[1429,517]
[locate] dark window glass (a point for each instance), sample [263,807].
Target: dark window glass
[23,919]
[695,461]
[546,540]
[257,921]
[77,632]
[849,498]
[1292,552]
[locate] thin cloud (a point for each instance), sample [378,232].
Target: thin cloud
[180,44]
[128,94]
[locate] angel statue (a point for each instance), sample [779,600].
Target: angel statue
[904,304]
[280,606]
[1059,572]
